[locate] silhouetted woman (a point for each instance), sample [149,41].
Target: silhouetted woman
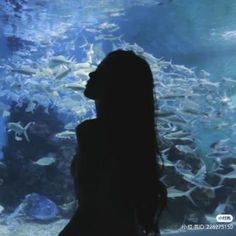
[115,171]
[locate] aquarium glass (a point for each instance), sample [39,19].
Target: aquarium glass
[47,50]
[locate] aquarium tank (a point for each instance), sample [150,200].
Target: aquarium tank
[47,50]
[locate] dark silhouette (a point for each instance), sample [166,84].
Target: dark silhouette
[115,172]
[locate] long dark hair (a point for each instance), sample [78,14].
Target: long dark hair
[123,84]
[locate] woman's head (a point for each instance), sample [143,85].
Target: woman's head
[122,74]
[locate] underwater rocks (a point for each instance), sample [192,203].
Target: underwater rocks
[36,207]
[38,163]
[39,207]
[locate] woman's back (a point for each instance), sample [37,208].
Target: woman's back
[102,205]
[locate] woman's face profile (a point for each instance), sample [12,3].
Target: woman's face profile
[117,69]
[96,83]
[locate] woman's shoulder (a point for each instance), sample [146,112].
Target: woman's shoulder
[86,126]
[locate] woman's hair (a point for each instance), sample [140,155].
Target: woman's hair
[124,87]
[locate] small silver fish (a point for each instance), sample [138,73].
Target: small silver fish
[185,149]
[198,178]
[75,86]
[66,135]
[63,73]
[19,130]
[174,193]
[172,96]
[223,154]
[107,25]
[195,112]
[58,60]
[32,105]
[25,71]
[177,134]
[45,161]
[229,175]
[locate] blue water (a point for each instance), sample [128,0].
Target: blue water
[195,41]
[2,136]
[193,33]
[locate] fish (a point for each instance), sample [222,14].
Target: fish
[181,68]
[208,85]
[181,141]
[83,69]
[5,114]
[66,135]
[165,127]
[116,14]
[229,175]
[58,60]
[17,138]
[70,126]
[233,166]
[86,66]
[172,96]
[25,71]
[174,193]
[198,178]
[80,112]
[185,149]
[229,81]
[177,134]
[223,154]
[19,129]
[108,37]
[164,157]
[216,165]
[90,53]
[219,144]
[92,30]
[31,107]
[81,74]
[194,112]
[107,25]
[204,74]
[220,149]
[75,86]
[63,73]
[225,100]
[210,191]
[45,72]
[45,161]
[183,168]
